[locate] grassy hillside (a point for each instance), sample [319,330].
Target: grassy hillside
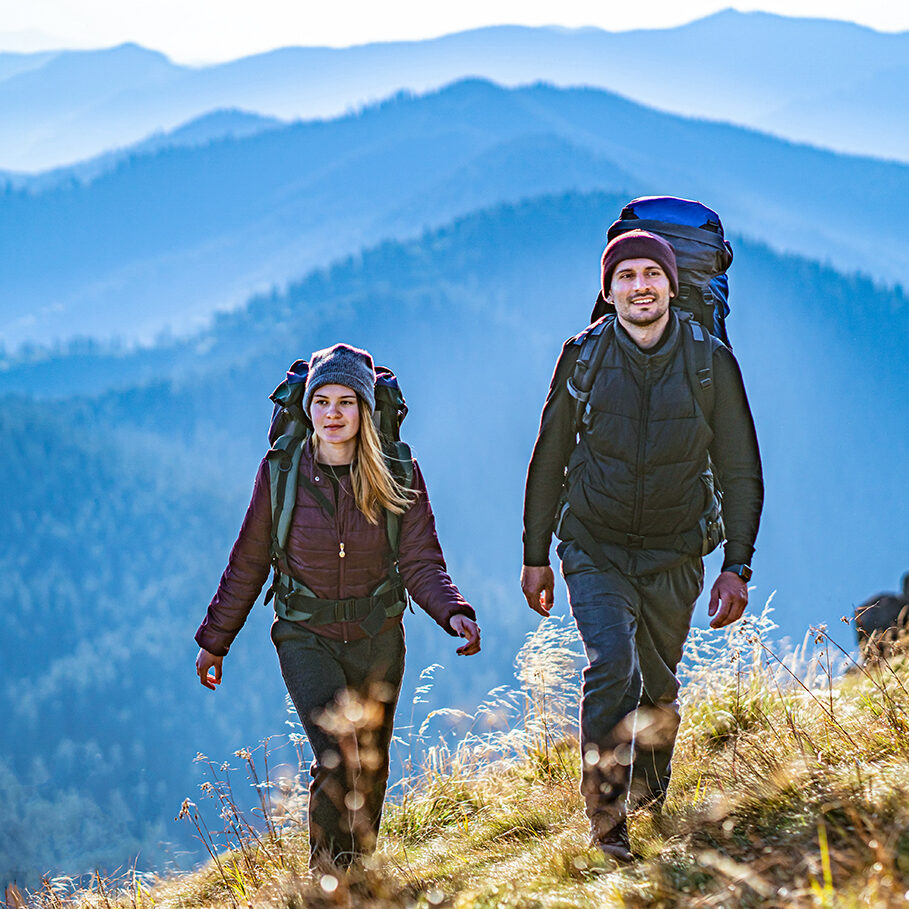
[788,789]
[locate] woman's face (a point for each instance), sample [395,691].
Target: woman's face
[335,414]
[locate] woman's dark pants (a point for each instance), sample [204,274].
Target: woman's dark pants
[633,627]
[345,695]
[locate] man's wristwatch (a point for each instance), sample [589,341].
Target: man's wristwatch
[743,571]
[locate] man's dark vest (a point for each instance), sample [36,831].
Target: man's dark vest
[640,469]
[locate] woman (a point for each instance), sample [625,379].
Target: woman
[344,678]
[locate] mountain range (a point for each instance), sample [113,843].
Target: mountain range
[168,237]
[829,83]
[218,124]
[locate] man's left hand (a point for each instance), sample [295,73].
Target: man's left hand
[728,599]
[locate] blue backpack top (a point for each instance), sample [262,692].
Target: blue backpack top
[702,253]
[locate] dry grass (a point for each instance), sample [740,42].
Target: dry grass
[789,789]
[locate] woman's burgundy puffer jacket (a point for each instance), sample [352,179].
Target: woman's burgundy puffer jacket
[313,557]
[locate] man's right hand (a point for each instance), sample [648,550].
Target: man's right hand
[538,584]
[206,661]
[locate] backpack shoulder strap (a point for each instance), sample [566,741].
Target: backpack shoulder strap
[593,342]
[283,474]
[698,346]
[399,458]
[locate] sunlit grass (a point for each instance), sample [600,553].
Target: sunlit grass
[789,788]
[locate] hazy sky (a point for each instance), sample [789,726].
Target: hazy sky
[207,30]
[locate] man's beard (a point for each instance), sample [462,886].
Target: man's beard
[643,317]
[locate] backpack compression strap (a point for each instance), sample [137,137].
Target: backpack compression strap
[668,229]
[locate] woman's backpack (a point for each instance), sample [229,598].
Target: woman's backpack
[288,416]
[288,433]
[702,253]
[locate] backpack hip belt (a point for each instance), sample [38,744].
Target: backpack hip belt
[295,602]
[700,540]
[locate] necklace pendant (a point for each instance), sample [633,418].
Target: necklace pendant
[341,552]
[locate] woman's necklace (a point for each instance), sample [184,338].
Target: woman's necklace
[337,484]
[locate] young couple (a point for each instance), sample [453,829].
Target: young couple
[631,474]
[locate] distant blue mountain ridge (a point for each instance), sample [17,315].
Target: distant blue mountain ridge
[218,124]
[167,238]
[11,63]
[819,81]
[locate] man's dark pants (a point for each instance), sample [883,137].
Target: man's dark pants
[633,612]
[350,771]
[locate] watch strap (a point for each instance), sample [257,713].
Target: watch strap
[742,570]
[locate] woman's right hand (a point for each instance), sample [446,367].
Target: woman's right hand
[466,628]
[206,661]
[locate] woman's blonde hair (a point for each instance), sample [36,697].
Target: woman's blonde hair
[375,489]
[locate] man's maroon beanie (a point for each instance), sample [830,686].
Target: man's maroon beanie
[639,244]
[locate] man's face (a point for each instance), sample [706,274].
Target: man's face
[640,291]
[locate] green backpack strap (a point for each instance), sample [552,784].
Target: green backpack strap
[283,474]
[399,458]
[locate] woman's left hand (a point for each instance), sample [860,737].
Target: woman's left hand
[466,628]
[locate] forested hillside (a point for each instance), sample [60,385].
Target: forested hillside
[127,474]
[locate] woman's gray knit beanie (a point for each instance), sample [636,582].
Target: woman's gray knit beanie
[342,365]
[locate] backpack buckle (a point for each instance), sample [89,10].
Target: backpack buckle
[703,377]
[345,610]
[576,393]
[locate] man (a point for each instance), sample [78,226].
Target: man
[634,521]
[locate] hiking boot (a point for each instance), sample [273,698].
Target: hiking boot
[614,844]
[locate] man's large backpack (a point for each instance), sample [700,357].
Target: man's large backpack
[288,434]
[703,256]
[702,253]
